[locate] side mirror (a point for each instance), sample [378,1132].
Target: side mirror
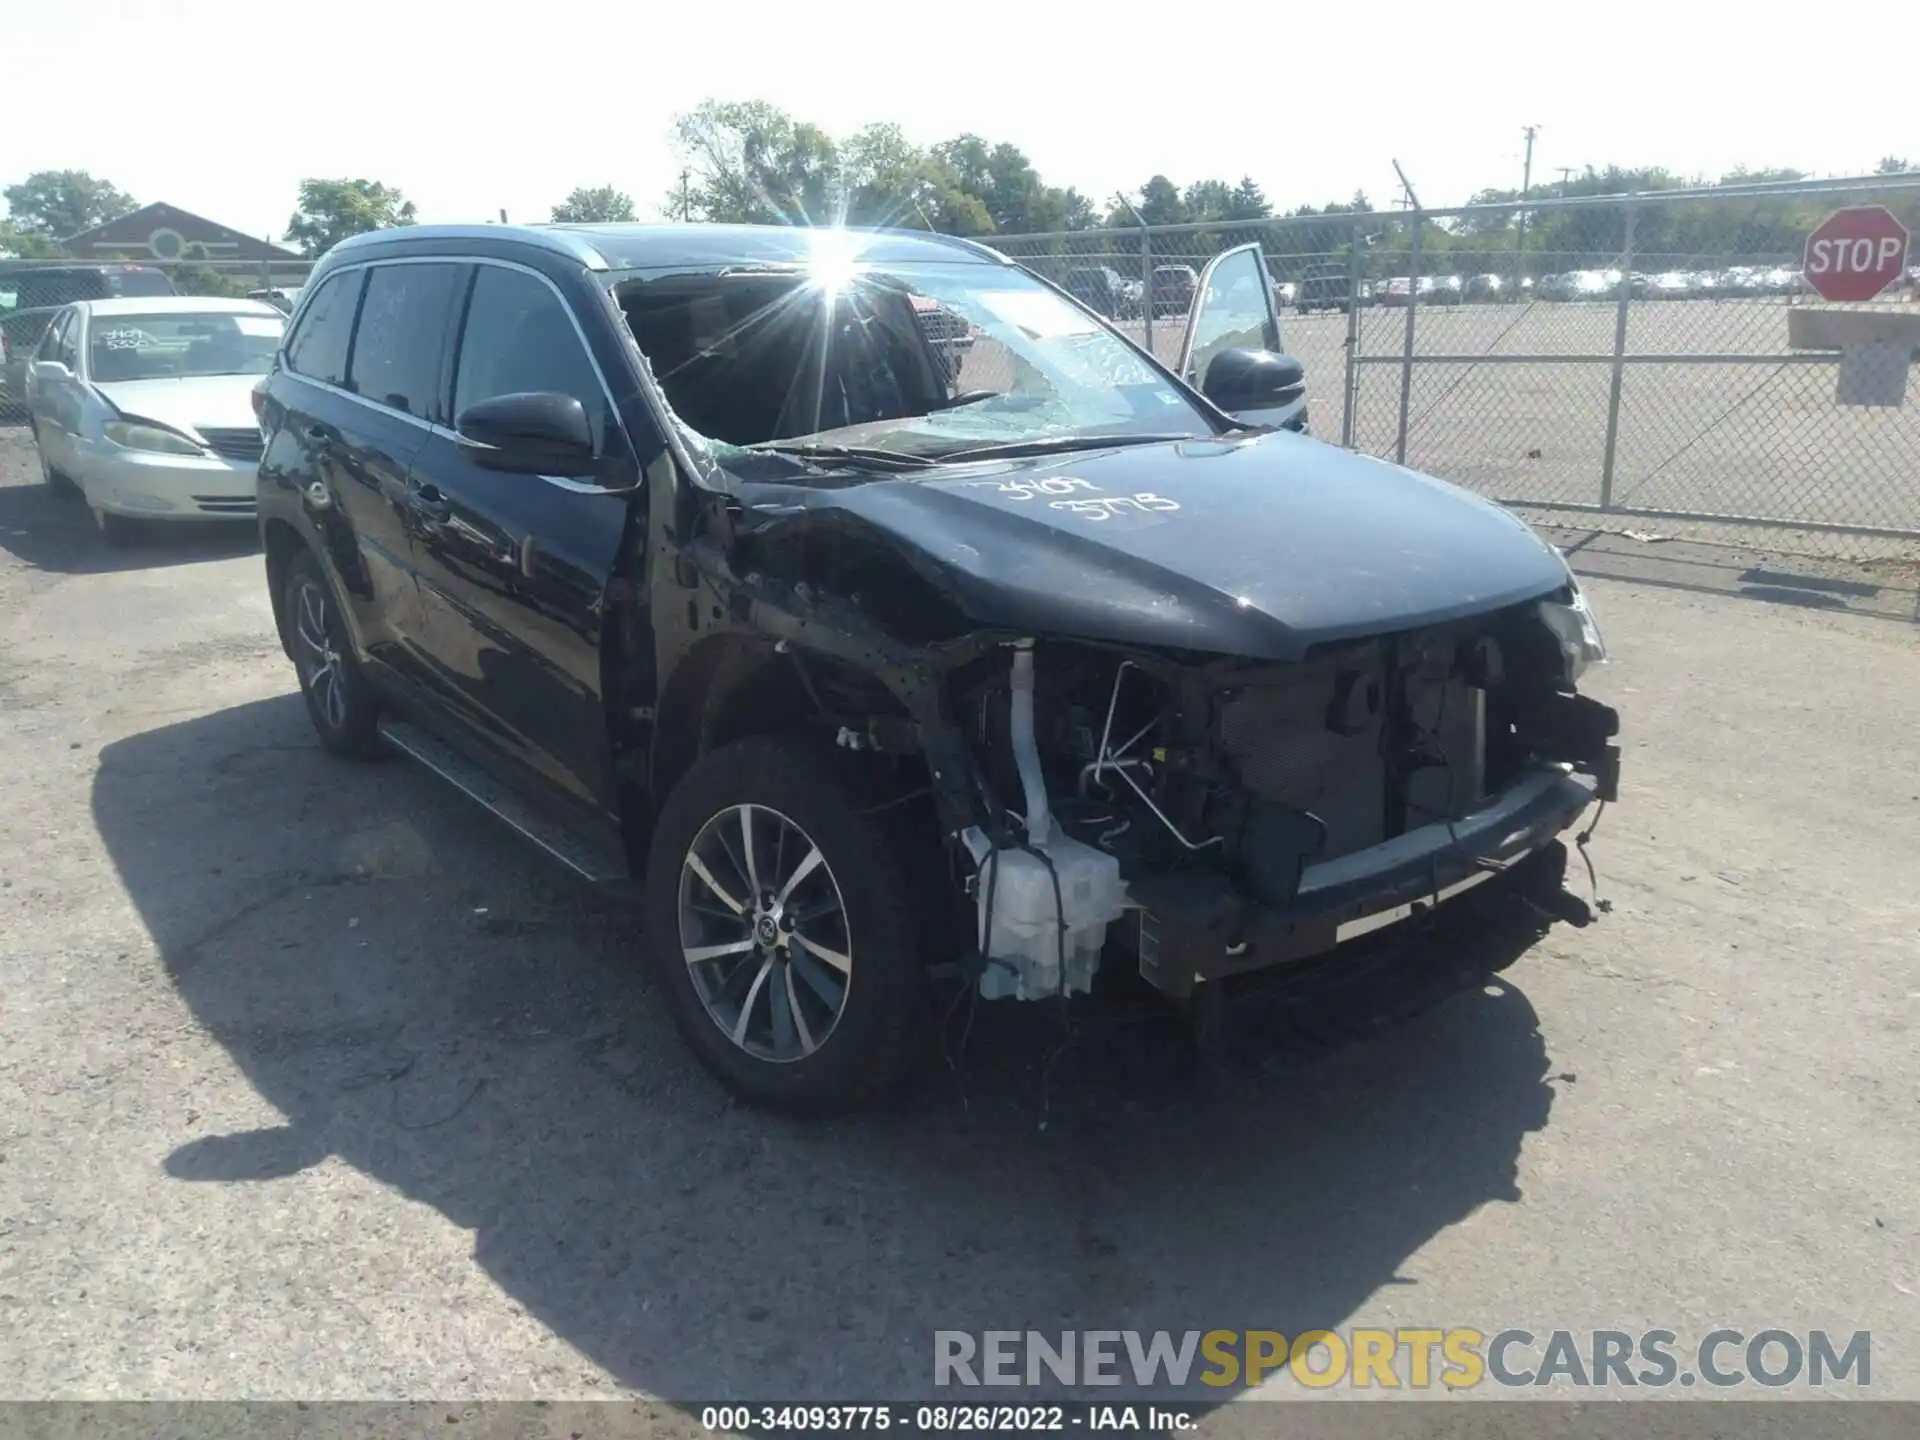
[1253,380]
[539,432]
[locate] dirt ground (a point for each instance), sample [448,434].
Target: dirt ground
[315,1082]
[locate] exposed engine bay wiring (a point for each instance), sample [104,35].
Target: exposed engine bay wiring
[1107,758]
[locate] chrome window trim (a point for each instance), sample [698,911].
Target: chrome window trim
[606,391]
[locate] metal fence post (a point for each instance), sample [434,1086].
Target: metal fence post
[1146,283]
[1406,351]
[1619,357]
[1350,398]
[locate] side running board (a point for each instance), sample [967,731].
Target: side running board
[600,865]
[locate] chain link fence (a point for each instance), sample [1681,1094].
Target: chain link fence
[1623,362]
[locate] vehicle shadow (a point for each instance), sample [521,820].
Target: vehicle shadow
[1885,592]
[423,998]
[51,529]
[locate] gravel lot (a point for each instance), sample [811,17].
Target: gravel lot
[314,1082]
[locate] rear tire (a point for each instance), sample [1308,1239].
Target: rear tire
[810,996]
[340,702]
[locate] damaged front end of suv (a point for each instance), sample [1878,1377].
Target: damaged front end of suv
[1168,690]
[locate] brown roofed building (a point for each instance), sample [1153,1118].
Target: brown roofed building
[163,232]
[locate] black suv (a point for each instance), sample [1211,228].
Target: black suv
[700,555]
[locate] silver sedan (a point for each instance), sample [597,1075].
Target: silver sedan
[145,405]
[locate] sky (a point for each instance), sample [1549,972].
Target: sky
[221,108]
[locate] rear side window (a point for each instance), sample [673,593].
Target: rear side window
[399,350]
[520,337]
[319,347]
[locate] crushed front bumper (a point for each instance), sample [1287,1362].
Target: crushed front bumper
[1196,927]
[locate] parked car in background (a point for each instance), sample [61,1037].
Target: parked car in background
[282,298]
[1441,289]
[1605,285]
[1173,289]
[145,406]
[31,294]
[1485,286]
[817,648]
[1327,286]
[1396,290]
[947,333]
[1678,285]
[1103,290]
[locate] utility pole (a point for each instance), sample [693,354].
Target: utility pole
[1526,185]
[686,207]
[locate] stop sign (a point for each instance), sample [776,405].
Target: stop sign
[1856,253]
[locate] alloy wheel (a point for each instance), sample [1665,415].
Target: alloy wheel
[763,929]
[320,663]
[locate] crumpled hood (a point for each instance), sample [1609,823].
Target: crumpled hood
[222,401]
[1259,547]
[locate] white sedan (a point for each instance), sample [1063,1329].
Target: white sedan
[145,405]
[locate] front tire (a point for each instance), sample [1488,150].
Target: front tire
[49,476]
[781,930]
[119,532]
[340,702]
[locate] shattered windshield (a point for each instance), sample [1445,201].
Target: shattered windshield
[910,364]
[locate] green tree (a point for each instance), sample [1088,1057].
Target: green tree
[1160,202]
[600,204]
[1248,201]
[18,244]
[1006,184]
[750,162]
[1207,200]
[885,179]
[332,210]
[195,276]
[1894,165]
[60,203]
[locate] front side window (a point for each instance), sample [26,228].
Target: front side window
[55,337]
[920,360]
[399,347]
[319,347]
[181,344]
[519,339]
[1236,313]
